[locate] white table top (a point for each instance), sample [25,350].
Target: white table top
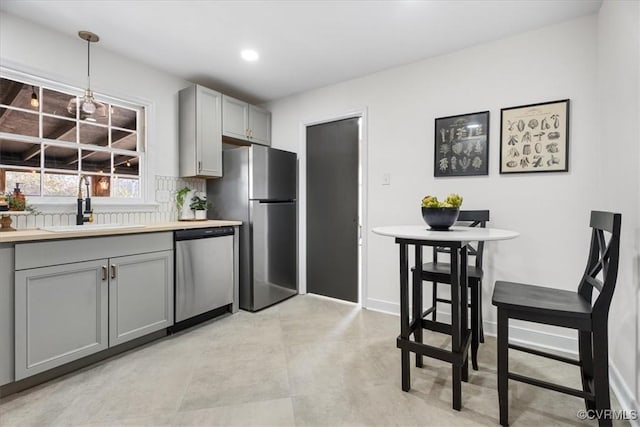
[455,234]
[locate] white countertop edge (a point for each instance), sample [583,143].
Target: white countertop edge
[34,235]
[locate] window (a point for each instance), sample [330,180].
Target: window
[46,147]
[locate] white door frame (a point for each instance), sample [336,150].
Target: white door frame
[302,198]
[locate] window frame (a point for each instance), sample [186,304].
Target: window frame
[142,109]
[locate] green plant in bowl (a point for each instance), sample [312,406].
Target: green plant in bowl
[199,202]
[441,215]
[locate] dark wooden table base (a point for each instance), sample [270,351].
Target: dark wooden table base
[458,329]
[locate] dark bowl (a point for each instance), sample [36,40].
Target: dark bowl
[440,219]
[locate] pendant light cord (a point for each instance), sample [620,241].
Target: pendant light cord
[89,64]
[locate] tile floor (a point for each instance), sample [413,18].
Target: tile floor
[308,361]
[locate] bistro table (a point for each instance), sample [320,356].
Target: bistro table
[456,238]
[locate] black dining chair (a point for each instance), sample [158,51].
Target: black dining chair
[440,272]
[574,310]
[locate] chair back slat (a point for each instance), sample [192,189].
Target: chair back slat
[603,259]
[476,218]
[602,221]
[473,216]
[596,283]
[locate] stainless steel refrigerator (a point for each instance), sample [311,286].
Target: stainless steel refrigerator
[258,187]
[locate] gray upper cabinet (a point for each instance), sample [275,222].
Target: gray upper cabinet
[200,122]
[245,122]
[235,118]
[259,125]
[140,295]
[61,315]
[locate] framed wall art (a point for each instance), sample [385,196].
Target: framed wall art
[535,138]
[462,145]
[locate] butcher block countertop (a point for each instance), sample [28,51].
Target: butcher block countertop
[34,234]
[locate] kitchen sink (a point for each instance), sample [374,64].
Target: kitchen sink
[89,227]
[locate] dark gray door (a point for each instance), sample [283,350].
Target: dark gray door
[332,209]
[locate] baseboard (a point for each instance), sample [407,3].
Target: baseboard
[383,306]
[517,334]
[541,340]
[623,394]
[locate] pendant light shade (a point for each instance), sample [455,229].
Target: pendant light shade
[34,98]
[88,106]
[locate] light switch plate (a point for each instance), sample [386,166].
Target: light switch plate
[386,178]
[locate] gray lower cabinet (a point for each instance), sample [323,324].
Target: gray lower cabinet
[61,314]
[6,314]
[77,297]
[140,295]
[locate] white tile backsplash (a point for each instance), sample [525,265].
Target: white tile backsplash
[165,196]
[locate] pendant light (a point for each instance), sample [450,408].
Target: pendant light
[35,103]
[89,107]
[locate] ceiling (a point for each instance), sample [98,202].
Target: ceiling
[302,44]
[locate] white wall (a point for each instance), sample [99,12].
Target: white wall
[31,48]
[550,210]
[619,115]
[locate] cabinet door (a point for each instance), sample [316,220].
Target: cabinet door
[209,139]
[235,118]
[259,125]
[140,295]
[61,315]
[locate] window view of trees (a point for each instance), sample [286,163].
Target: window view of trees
[29,182]
[45,145]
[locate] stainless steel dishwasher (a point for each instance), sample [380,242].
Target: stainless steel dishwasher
[204,273]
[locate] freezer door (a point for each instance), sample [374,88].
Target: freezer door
[273,174]
[274,252]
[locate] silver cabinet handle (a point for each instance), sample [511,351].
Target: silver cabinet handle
[113,271]
[199,165]
[104,272]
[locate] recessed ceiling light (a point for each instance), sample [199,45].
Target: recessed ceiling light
[249,55]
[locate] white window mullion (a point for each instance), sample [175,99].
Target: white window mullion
[54,117]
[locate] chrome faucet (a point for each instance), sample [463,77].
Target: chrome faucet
[80,214]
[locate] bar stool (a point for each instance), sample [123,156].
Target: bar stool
[440,272]
[567,309]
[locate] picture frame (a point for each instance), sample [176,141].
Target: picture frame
[535,138]
[461,145]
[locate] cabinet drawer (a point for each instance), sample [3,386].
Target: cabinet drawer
[43,254]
